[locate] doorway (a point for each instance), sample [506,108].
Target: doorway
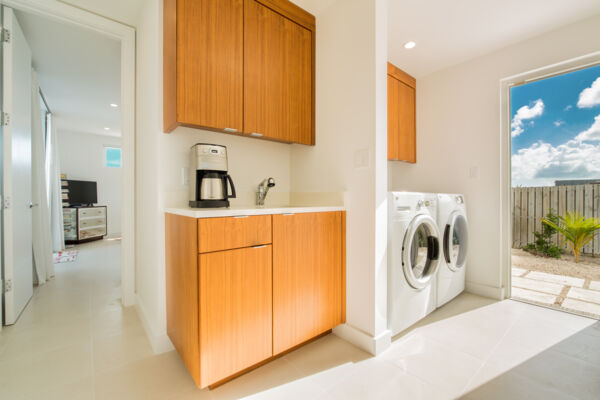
[554,194]
[116,136]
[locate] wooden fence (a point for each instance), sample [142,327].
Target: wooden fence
[530,204]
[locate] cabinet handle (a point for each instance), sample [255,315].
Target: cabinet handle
[241,216]
[230,129]
[259,247]
[256,134]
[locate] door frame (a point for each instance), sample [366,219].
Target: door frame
[506,205]
[62,12]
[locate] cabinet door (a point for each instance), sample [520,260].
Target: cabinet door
[235,311]
[401,121]
[277,76]
[210,63]
[307,276]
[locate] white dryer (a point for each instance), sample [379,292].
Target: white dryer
[452,223]
[413,250]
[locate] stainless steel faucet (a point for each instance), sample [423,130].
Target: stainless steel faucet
[263,189]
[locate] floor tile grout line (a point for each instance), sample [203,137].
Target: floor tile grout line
[487,358]
[443,345]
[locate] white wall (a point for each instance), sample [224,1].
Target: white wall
[82,158]
[350,151]
[149,272]
[458,137]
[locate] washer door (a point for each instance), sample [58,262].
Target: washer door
[456,241]
[420,252]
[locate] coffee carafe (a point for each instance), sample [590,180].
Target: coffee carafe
[209,180]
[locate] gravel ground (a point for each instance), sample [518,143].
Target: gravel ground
[587,268]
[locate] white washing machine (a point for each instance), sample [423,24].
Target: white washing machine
[413,250]
[452,224]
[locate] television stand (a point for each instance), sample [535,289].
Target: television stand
[84,223]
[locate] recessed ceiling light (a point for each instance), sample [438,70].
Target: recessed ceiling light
[106,128]
[409,45]
[114,105]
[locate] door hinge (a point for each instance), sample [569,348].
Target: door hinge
[7,286]
[5,35]
[5,119]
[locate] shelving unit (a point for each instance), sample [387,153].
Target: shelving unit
[84,224]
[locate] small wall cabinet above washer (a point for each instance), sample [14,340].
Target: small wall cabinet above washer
[402,132]
[245,67]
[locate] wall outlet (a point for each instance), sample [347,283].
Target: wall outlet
[185,176]
[474,172]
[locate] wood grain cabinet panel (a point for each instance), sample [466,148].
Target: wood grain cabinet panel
[308,293]
[215,234]
[402,142]
[181,259]
[278,76]
[209,64]
[235,311]
[240,66]
[229,311]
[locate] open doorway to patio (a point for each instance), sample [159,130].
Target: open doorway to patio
[555,179]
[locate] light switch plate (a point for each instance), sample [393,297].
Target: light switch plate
[361,158]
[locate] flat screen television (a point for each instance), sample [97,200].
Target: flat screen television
[82,193]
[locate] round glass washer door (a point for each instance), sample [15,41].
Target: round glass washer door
[420,251]
[456,240]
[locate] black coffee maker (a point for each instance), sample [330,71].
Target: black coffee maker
[209,180]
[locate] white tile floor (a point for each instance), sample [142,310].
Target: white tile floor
[75,341]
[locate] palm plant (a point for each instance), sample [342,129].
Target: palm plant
[577,229]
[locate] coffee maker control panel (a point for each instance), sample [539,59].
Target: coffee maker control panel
[209,157]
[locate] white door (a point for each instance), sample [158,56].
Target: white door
[18,258]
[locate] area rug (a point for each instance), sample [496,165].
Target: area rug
[65,256]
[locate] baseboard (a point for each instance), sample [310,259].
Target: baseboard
[362,340]
[491,292]
[160,342]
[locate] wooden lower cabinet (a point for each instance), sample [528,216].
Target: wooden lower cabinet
[235,311]
[230,310]
[307,276]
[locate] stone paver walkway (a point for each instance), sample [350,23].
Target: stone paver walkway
[557,291]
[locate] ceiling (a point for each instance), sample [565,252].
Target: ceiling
[450,32]
[79,74]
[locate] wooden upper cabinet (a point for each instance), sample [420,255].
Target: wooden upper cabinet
[240,66]
[308,276]
[278,76]
[204,55]
[402,132]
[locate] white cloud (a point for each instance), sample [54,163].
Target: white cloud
[524,113]
[558,123]
[567,108]
[542,163]
[592,133]
[590,97]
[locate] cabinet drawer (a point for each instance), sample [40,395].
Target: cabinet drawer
[92,222]
[92,212]
[215,234]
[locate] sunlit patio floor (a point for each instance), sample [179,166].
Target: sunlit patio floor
[578,294]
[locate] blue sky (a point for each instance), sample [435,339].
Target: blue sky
[556,128]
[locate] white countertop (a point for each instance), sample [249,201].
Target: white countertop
[237,211]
